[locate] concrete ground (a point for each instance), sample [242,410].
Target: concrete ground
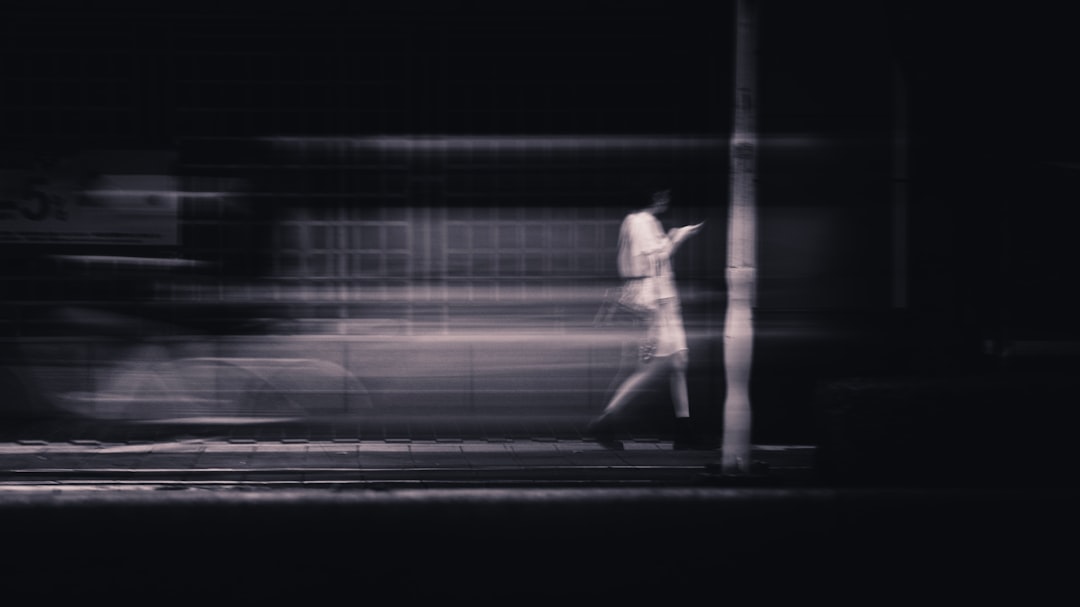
[511,520]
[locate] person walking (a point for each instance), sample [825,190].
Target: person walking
[644,263]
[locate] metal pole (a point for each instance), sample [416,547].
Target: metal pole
[741,271]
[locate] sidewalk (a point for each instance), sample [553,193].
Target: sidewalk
[421,522]
[549,519]
[293,462]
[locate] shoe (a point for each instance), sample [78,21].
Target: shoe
[688,439]
[609,442]
[695,444]
[603,435]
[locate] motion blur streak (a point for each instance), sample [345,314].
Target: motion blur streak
[546,143]
[489,363]
[450,143]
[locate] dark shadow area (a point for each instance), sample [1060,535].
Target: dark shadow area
[529,548]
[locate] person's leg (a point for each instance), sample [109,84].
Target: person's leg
[685,436]
[679,394]
[603,427]
[630,387]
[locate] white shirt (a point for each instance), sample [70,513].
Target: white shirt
[645,252]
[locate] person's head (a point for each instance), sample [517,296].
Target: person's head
[661,200]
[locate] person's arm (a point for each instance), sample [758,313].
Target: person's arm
[642,242]
[660,243]
[655,244]
[676,236]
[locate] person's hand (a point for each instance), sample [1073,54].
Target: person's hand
[677,235]
[691,230]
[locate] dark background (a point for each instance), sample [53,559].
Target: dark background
[990,121]
[987,121]
[991,179]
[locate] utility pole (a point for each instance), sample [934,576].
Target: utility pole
[741,271]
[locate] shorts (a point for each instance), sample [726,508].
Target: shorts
[666,329]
